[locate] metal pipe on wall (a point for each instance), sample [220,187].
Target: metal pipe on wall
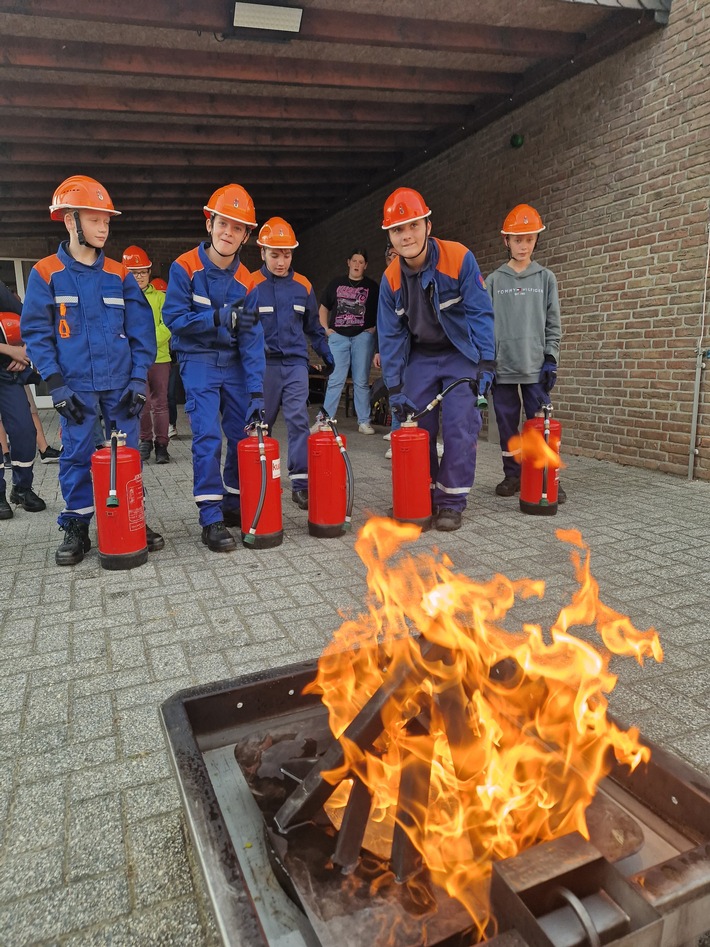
[699,367]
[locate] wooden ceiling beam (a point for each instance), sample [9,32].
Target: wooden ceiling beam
[317,25]
[96,98]
[231,65]
[114,178]
[18,126]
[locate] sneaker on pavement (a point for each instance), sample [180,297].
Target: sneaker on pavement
[50,456]
[447,520]
[217,537]
[144,449]
[300,498]
[161,454]
[172,430]
[387,436]
[388,454]
[76,543]
[561,495]
[5,508]
[27,499]
[366,428]
[508,487]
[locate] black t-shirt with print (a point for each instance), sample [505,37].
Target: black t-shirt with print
[351,304]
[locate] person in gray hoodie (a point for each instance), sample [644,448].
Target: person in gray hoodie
[527,324]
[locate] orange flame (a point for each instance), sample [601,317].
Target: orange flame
[510,726]
[531,445]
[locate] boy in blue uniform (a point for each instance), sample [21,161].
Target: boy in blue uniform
[288,311]
[211,311]
[89,331]
[435,325]
[528,332]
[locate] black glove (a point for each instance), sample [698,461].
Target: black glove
[486,377]
[67,403]
[401,406]
[548,373]
[255,409]
[235,318]
[133,398]
[328,364]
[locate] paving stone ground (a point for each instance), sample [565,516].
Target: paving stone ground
[91,845]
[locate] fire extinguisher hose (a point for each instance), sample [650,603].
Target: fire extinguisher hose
[249,537]
[349,476]
[112,498]
[546,409]
[480,402]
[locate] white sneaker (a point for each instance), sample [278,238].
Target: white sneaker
[172,430]
[366,428]
[388,453]
[387,436]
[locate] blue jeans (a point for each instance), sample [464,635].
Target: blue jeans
[354,353]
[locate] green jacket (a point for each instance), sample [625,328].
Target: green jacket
[162,333]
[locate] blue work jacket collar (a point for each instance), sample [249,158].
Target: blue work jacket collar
[69,261]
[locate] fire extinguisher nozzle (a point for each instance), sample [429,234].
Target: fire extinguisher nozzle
[112,502]
[250,539]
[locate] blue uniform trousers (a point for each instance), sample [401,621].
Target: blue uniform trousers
[215,401]
[507,405]
[79,443]
[286,386]
[425,376]
[17,419]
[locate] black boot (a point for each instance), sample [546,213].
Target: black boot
[232,517]
[217,537]
[27,499]
[5,508]
[300,498]
[155,540]
[144,449]
[76,543]
[161,454]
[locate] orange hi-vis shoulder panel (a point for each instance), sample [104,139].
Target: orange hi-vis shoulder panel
[190,262]
[450,257]
[298,278]
[257,278]
[243,276]
[115,268]
[48,267]
[393,274]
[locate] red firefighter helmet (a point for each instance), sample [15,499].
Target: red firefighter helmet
[402,207]
[10,328]
[232,201]
[80,192]
[277,234]
[159,284]
[523,219]
[135,258]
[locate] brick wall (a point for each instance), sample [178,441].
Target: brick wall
[616,160]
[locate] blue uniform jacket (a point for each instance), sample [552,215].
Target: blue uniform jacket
[288,310]
[90,324]
[453,281]
[196,288]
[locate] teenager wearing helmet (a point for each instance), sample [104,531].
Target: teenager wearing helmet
[435,325]
[528,333]
[89,331]
[288,311]
[211,312]
[154,420]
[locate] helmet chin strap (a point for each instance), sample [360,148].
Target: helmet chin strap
[80,233]
[424,245]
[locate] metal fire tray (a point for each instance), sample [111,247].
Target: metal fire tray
[653,824]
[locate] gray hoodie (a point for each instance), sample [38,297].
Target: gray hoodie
[526,311]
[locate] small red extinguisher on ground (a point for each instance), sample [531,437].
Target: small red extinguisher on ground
[118,502]
[411,481]
[330,482]
[260,489]
[539,480]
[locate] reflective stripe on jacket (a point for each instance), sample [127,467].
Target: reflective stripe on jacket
[288,309]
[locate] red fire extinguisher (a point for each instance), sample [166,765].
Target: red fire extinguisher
[260,489]
[330,482]
[539,482]
[411,481]
[118,502]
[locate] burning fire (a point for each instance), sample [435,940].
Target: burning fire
[505,731]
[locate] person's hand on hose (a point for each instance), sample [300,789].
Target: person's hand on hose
[255,409]
[133,398]
[66,401]
[548,373]
[486,378]
[401,406]
[235,318]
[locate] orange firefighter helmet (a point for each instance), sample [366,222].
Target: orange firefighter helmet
[10,328]
[523,219]
[402,207]
[80,192]
[234,202]
[135,258]
[277,234]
